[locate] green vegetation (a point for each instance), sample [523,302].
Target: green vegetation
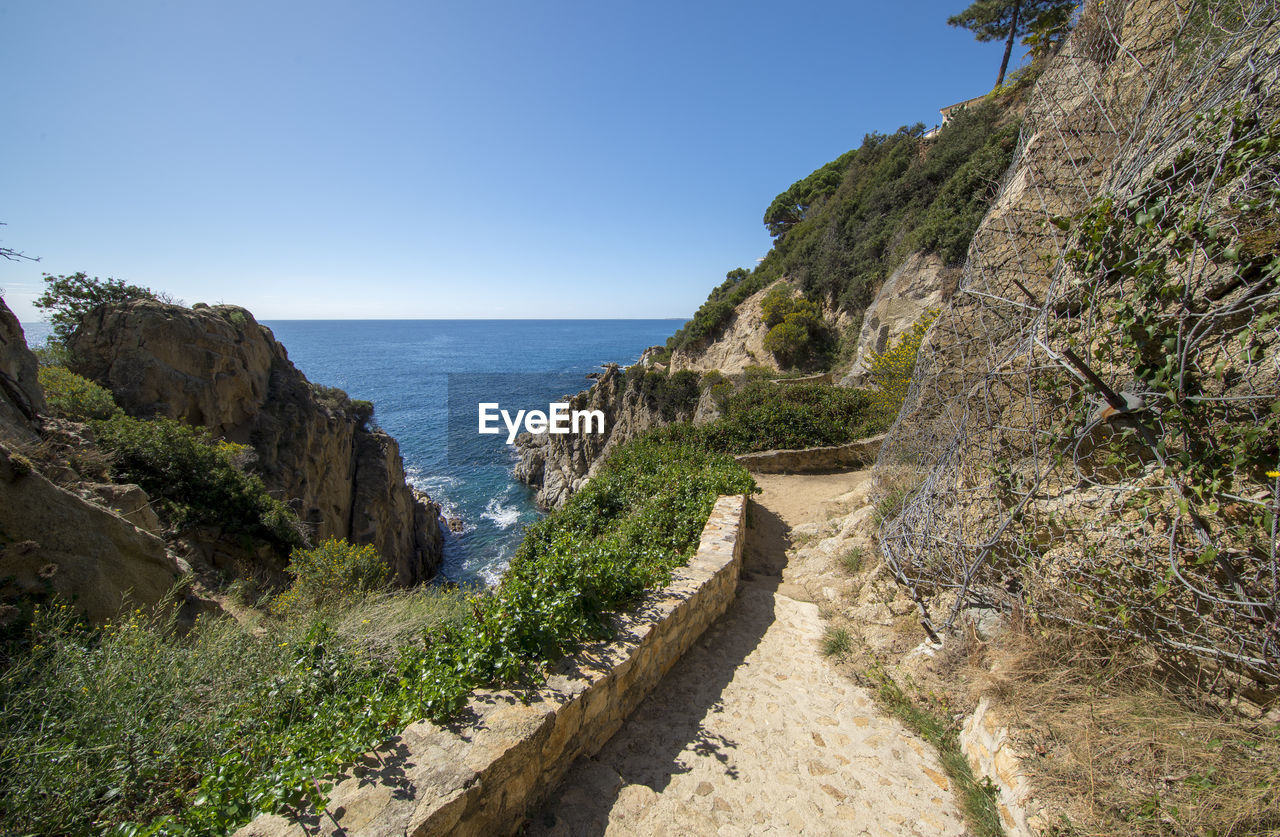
[852,560]
[840,231]
[837,642]
[797,331]
[893,370]
[334,571]
[193,479]
[68,298]
[133,730]
[768,416]
[73,396]
[670,394]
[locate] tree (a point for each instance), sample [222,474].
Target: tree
[68,298]
[14,255]
[991,20]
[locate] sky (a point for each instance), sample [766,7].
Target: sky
[361,160]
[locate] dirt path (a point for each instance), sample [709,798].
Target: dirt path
[753,732]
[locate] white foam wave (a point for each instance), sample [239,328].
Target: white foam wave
[503,516]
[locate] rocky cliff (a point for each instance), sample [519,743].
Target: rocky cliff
[559,465]
[219,368]
[919,285]
[1093,433]
[78,540]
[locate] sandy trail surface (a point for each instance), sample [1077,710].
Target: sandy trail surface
[754,731]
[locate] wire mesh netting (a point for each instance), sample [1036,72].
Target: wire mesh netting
[1092,432]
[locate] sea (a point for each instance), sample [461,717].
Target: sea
[414,370]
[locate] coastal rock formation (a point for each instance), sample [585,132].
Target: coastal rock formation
[219,368]
[559,465]
[53,541]
[920,284]
[740,345]
[21,398]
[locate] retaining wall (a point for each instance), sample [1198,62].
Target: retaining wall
[481,776]
[859,454]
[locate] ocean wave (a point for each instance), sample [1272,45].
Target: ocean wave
[503,516]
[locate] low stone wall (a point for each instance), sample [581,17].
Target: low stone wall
[859,454]
[482,775]
[985,742]
[821,378]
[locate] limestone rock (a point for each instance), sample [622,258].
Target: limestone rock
[740,345]
[218,367]
[57,542]
[560,465]
[920,284]
[21,398]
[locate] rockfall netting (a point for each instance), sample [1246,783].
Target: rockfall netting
[1093,430]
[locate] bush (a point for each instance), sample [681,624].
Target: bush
[75,397]
[334,571]
[194,480]
[670,394]
[768,416]
[892,370]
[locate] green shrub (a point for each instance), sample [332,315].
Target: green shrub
[75,397]
[193,479]
[671,394]
[362,410]
[334,571]
[776,304]
[893,369]
[768,416]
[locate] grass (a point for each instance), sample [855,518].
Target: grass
[1126,746]
[934,724]
[837,642]
[852,559]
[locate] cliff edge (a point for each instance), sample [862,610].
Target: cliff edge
[219,368]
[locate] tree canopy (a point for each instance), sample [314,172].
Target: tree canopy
[991,20]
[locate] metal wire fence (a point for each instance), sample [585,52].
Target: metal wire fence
[1093,431]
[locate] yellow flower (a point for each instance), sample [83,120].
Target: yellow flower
[1273,474]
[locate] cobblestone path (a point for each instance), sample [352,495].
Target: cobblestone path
[753,732]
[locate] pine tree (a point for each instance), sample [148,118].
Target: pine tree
[990,20]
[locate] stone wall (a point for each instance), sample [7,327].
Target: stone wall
[480,778]
[859,454]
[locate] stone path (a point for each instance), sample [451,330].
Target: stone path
[753,731]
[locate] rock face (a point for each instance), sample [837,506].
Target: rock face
[740,345]
[919,285]
[218,367]
[55,542]
[21,398]
[559,465]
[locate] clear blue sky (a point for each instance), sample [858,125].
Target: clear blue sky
[422,159]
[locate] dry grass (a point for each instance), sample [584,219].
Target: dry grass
[1121,748]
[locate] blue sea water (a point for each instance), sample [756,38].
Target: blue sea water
[410,369]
